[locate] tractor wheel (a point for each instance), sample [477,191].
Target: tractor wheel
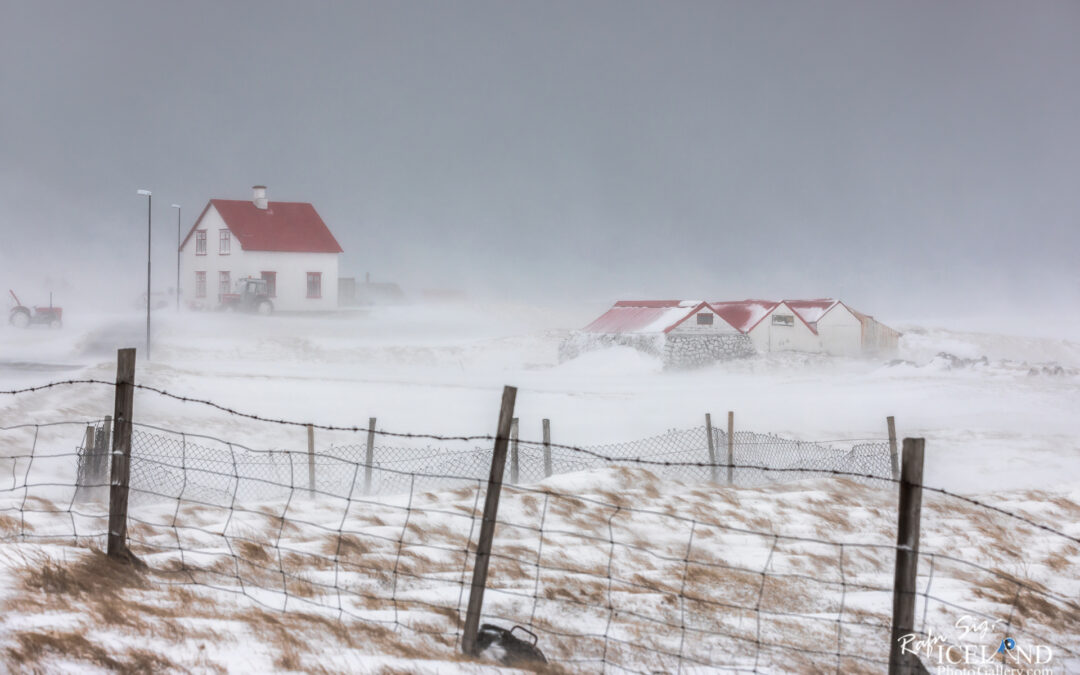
[265,307]
[19,317]
[55,323]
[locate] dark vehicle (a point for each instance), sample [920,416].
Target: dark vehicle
[21,316]
[251,295]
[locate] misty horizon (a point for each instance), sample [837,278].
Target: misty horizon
[905,157]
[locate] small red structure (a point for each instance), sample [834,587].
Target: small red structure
[21,317]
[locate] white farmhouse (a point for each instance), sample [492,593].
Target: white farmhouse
[286,243]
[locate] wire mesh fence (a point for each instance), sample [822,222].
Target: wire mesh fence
[164,461]
[628,566]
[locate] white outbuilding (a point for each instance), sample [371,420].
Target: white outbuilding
[285,243]
[844,331]
[772,326]
[683,333]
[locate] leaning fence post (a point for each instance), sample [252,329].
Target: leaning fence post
[369,458]
[907,558]
[311,459]
[487,527]
[515,465]
[103,447]
[731,447]
[85,477]
[121,454]
[547,448]
[86,467]
[713,468]
[893,459]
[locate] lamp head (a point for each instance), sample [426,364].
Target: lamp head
[145,193]
[176,206]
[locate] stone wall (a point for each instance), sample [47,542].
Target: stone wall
[580,342]
[695,351]
[676,351]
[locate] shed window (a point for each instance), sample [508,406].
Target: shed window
[704,319]
[200,242]
[783,320]
[314,284]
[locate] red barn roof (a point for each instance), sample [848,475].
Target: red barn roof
[646,316]
[744,314]
[281,226]
[811,311]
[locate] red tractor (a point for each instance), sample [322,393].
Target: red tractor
[21,316]
[252,295]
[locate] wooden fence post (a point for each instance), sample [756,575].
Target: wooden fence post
[86,475]
[487,527]
[369,458]
[893,459]
[712,448]
[731,447]
[121,454]
[547,448]
[103,447]
[515,465]
[311,459]
[907,558]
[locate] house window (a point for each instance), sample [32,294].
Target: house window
[704,319]
[314,284]
[200,242]
[224,240]
[271,283]
[783,320]
[222,283]
[200,283]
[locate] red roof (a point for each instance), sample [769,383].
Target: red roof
[656,316]
[646,316]
[744,314]
[281,226]
[655,304]
[811,311]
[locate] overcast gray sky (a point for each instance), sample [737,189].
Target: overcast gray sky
[890,153]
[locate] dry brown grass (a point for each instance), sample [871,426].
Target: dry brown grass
[106,594]
[92,574]
[33,650]
[10,525]
[344,546]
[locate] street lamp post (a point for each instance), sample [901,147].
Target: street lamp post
[149,200]
[177,207]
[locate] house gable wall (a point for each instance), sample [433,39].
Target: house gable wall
[691,326]
[840,332]
[798,337]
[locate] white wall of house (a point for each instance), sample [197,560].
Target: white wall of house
[692,327]
[291,269]
[782,330]
[840,332]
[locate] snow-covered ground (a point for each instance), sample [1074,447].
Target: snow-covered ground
[1003,429]
[1008,423]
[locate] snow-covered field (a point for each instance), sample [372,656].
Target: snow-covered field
[1002,429]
